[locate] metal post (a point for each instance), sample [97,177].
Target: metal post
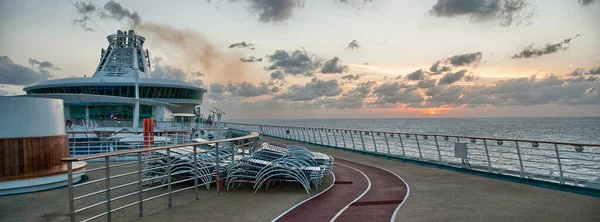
[195,172]
[327,136]
[438,149]
[562,179]
[520,160]
[334,137]
[362,141]
[343,139]
[386,143]
[303,134]
[487,154]
[419,147]
[71,195]
[320,136]
[314,136]
[169,177]
[401,144]
[107,184]
[352,138]
[217,171]
[374,143]
[140,188]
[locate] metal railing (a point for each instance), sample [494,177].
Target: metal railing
[562,163]
[123,185]
[90,124]
[92,142]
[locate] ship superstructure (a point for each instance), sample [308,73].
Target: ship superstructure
[121,88]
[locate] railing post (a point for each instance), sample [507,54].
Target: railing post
[386,143]
[562,179]
[140,188]
[374,143]
[218,179]
[304,135]
[195,172]
[314,136]
[107,184]
[418,147]
[170,203]
[334,137]
[520,160]
[362,141]
[352,138]
[438,149]
[401,144]
[320,135]
[343,139]
[71,194]
[487,154]
[327,136]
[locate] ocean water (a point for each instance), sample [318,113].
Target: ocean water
[555,129]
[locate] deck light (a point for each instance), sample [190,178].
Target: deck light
[499,142]
[378,134]
[446,138]
[287,131]
[407,135]
[579,148]
[355,132]
[391,134]
[535,144]
[366,133]
[473,140]
[424,136]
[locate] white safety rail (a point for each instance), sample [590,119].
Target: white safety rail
[156,174]
[570,164]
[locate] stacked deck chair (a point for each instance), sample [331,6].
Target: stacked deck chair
[270,164]
[182,164]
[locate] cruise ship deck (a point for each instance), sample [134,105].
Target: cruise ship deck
[435,194]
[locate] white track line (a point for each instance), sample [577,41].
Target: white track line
[330,186]
[361,195]
[407,186]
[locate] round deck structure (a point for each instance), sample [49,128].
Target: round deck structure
[32,143]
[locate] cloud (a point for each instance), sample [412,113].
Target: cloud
[351,77]
[587,2]
[315,89]
[530,52]
[334,66]
[298,62]
[392,94]
[416,75]
[450,78]
[83,9]
[113,10]
[198,82]
[278,75]
[15,74]
[595,71]
[353,99]
[42,64]
[353,45]
[466,59]
[251,59]
[275,89]
[217,88]
[275,11]
[162,71]
[438,68]
[4,92]
[425,84]
[246,89]
[505,12]
[198,74]
[577,72]
[242,44]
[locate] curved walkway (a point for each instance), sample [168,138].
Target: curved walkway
[360,192]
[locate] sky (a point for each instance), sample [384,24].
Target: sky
[262,59]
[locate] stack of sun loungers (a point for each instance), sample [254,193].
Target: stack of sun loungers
[270,164]
[266,165]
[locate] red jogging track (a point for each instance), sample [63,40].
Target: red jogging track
[379,203]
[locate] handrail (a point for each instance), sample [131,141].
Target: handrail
[423,134]
[123,152]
